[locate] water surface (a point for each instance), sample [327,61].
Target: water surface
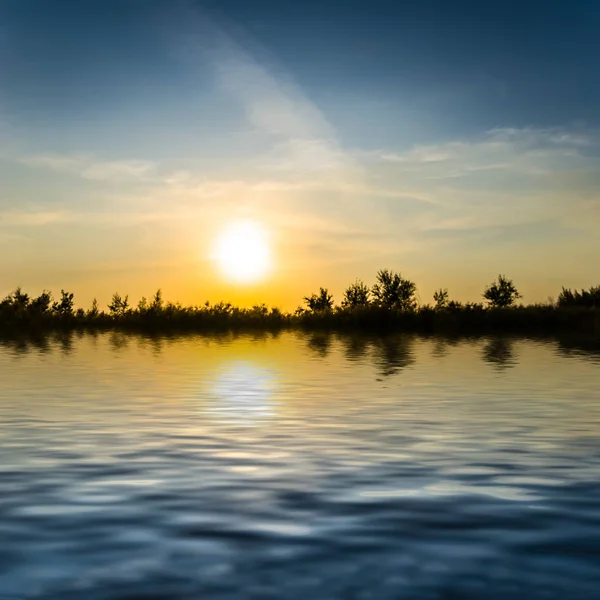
[299,466]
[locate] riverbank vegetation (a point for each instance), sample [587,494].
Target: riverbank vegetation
[390,304]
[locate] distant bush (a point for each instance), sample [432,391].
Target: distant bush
[64,307]
[501,293]
[585,298]
[93,311]
[441,298]
[319,302]
[19,299]
[118,306]
[41,304]
[393,291]
[356,294]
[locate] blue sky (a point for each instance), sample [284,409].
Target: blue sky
[449,140]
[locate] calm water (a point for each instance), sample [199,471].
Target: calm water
[299,467]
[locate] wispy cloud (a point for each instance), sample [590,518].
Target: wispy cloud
[299,138]
[125,169]
[526,151]
[44,218]
[442,187]
[273,104]
[33,218]
[90,168]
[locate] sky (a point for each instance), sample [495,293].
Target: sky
[450,141]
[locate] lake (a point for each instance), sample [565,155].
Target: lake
[299,466]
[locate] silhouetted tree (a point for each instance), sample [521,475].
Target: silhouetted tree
[259,310]
[157,302]
[277,313]
[393,291]
[64,307]
[501,293]
[142,306]
[19,298]
[93,311]
[471,306]
[441,298]
[41,304]
[119,306]
[356,294]
[319,302]
[587,298]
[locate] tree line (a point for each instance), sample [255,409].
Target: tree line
[391,302]
[394,292]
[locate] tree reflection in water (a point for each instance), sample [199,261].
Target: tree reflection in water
[499,352]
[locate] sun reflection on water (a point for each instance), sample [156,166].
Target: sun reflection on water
[242,390]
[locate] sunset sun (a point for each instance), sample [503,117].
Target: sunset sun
[242,252]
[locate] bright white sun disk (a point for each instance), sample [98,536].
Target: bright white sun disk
[242,252]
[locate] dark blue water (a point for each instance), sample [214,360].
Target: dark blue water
[299,467]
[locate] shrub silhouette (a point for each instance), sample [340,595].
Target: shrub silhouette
[393,291]
[585,298]
[93,311]
[151,309]
[41,304]
[119,306]
[322,301]
[501,293]
[356,294]
[441,298]
[259,310]
[156,306]
[18,299]
[64,307]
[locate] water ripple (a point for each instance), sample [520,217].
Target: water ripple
[299,467]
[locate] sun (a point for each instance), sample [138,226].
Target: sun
[242,252]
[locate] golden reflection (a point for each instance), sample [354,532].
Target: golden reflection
[242,390]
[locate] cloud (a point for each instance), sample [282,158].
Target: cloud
[524,151]
[33,218]
[42,218]
[55,162]
[298,136]
[89,168]
[342,204]
[10,238]
[505,177]
[126,169]
[273,104]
